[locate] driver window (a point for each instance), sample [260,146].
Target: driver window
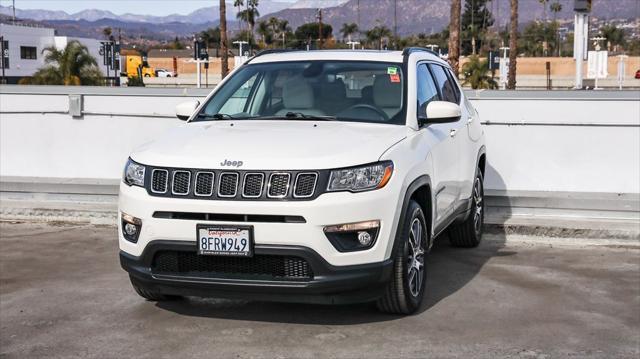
[427,90]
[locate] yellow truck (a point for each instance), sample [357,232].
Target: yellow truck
[134,62]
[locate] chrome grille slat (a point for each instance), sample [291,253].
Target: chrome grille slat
[159,180]
[278,186]
[252,185]
[204,184]
[305,184]
[181,183]
[228,184]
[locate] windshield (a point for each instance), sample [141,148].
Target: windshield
[327,90]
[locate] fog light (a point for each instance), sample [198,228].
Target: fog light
[364,238]
[131,227]
[349,237]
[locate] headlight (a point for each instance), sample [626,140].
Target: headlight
[361,178]
[133,174]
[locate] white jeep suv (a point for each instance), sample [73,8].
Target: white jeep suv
[307,176]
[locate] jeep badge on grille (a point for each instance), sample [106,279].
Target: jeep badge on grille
[231,163]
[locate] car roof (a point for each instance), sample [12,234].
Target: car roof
[345,55]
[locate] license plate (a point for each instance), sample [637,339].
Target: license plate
[217,240]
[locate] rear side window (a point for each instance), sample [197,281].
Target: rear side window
[447,88]
[427,89]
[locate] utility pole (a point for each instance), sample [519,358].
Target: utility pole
[395,23]
[320,28]
[2,58]
[14,12]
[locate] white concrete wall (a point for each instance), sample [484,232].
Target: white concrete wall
[586,143]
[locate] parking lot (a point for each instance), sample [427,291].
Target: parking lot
[63,294]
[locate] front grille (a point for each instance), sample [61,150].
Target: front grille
[204,184]
[181,182]
[237,185]
[305,185]
[279,185]
[253,185]
[159,181]
[258,267]
[228,185]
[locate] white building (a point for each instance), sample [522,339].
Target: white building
[24,45]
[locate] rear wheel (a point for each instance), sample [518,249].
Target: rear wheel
[468,234]
[405,291]
[150,294]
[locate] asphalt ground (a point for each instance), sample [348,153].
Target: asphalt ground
[63,294]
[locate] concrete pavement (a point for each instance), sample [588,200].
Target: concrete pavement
[63,294]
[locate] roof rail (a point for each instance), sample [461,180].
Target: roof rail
[270,51]
[410,50]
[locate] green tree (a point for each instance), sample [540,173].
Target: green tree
[539,39]
[211,37]
[614,35]
[176,44]
[377,34]
[476,19]
[107,32]
[72,65]
[309,32]
[281,30]
[265,32]
[348,30]
[476,74]
[250,14]
[555,8]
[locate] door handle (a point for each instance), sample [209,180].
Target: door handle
[452,132]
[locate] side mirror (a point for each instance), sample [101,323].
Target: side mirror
[441,112]
[186,109]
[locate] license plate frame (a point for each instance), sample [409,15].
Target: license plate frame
[205,249]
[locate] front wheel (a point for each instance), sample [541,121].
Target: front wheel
[468,234]
[405,291]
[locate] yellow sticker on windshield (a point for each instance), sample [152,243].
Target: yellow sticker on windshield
[392,70]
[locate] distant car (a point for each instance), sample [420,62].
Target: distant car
[638,74]
[164,73]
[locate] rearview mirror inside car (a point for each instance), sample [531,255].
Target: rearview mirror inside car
[186,109]
[440,112]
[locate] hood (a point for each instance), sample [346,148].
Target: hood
[270,145]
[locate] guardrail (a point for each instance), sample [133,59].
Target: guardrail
[558,142]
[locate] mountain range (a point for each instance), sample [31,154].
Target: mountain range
[413,16]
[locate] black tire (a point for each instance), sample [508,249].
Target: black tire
[406,288]
[468,234]
[151,295]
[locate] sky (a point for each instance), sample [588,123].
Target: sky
[146,7]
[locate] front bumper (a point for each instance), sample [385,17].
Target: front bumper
[328,285]
[328,209]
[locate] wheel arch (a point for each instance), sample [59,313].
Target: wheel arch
[419,190]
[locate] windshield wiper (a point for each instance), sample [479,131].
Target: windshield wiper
[217,116]
[300,115]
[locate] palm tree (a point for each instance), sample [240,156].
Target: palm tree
[377,34]
[476,74]
[250,14]
[513,45]
[73,65]
[614,35]
[348,30]
[555,8]
[224,49]
[265,32]
[544,7]
[454,38]
[279,28]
